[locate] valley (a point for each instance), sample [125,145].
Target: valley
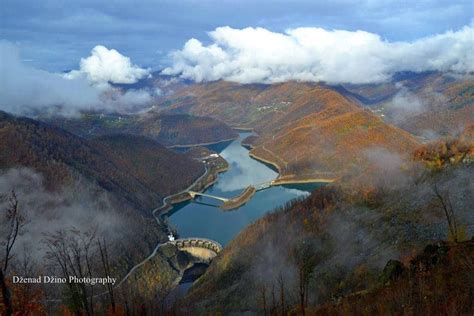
[195,177]
[274,158]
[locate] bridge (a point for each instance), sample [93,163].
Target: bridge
[193,195]
[263,186]
[200,248]
[231,203]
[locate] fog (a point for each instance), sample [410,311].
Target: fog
[80,206]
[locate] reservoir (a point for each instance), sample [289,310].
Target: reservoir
[203,217]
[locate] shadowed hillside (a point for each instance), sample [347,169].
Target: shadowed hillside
[168,130]
[133,168]
[79,196]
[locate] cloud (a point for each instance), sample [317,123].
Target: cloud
[257,55]
[405,105]
[25,90]
[108,65]
[46,211]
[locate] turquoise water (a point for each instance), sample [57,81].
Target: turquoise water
[203,218]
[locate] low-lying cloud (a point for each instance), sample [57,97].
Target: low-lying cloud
[25,90]
[257,55]
[78,207]
[406,104]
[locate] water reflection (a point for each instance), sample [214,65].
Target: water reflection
[203,219]
[243,170]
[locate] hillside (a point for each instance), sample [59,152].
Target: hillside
[426,104]
[338,240]
[168,130]
[160,169]
[306,130]
[136,170]
[438,281]
[72,189]
[240,105]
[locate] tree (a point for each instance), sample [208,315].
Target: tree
[445,203]
[263,293]
[27,298]
[274,309]
[305,261]
[281,284]
[14,222]
[72,252]
[104,256]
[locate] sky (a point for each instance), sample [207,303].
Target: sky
[55,35]
[66,56]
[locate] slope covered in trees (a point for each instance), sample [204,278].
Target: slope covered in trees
[168,130]
[133,168]
[426,104]
[305,129]
[437,281]
[86,211]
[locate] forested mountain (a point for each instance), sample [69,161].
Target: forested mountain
[305,129]
[133,168]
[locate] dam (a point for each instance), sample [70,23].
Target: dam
[202,249]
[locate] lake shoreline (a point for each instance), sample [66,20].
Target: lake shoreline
[280,180]
[202,144]
[182,196]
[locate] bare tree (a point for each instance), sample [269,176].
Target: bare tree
[305,261]
[263,293]
[104,256]
[14,221]
[274,309]
[448,210]
[281,284]
[72,253]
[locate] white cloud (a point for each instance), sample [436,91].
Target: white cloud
[24,89]
[108,65]
[405,105]
[257,55]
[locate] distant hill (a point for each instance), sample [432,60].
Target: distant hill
[134,169]
[168,130]
[447,101]
[305,129]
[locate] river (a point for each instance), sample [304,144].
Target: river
[201,217]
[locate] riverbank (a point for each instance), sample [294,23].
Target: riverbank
[240,200]
[213,168]
[273,165]
[242,129]
[202,144]
[283,179]
[300,180]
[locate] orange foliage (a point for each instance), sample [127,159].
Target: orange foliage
[25,299]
